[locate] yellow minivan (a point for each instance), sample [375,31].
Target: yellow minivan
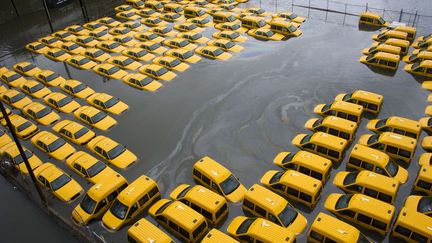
[130,202]
[222,17]
[98,199]
[261,202]
[423,68]
[368,212]
[381,60]
[400,148]
[340,109]
[324,144]
[383,48]
[387,34]
[412,226]
[411,31]
[144,231]
[216,177]
[206,202]
[326,228]
[374,19]
[421,56]
[396,124]
[365,158]
[305,162]
[423,182]
[368,183]
[333,125]
[370,101]
[403,44]
[179,219]
[284,28]
[253,22]
[294,185]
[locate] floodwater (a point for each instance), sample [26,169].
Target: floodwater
[241,112]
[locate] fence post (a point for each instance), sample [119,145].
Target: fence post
[366,7]
[84,11]
[292,5]
[345,14]
[415,18]
[400,16]
[276,6]
[309,8]
[48,15]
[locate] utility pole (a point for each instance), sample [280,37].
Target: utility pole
[15,8]
[84,11]
[48,15]
[21,151]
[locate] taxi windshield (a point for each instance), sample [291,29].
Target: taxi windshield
[381,123]
[66,100]
[96,168]
[288,215]
[88,204]
[229,185]
[350,178]
[292,28]
[60,181]
[81,132]
[109,103]
[52,77]
[187,54]
[45,111]
[23,126]
[161,71]
[56,145]
[118,209]
[127,61]
[231,18]
[217,52]
[113,69]
[175,62]
[425,205]
[37,87]
[19,159]
[116,151]
[261,23]
[97,117]
[392,168]
[373,139]
[343,202]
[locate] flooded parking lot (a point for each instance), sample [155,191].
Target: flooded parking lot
[242,112]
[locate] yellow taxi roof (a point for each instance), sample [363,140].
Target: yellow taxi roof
[339,123]
[216,236]
[183,215]
[373,207]
[105,143]
[10,73]
[387,56]
[347,107]
[56,96]
[105,66]
[16,119]
[193,8]
[101,190]
[212,169]
[425,54]
[69,125]
[426,63]
[397,140]
[301,181]
[369,96]
[48,171]
[167,58]
[223,14]
[373,180]
[72,83]
[102,96]
[394,33]
[335,228]
[270,231]
[405,29]
[210,48]
[153,67]
[31,83]
[143,231]
[370,155]
[46,137]
[35,106]
[370,15]
[11,149]
[404,124]
[252,18]
[397,42]
[305,158]
[205,198]
[414,220]
[263,197]
[386,48]
[138,188]
[329,141]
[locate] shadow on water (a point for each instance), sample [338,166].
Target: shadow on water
[368,28]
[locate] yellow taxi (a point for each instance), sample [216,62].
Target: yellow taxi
[201,21]
[426,123]
[213,52]
[86,41]
[95,54]
[382,60]
[396,124]
[423,68]
[102,35]
[373,19]
[369,183]
[109,71]
[72,48]
[49,77]
[76,88]
[23,128]
[285,28]
[382,47]
[40,113]
[134,26]
[340,109]
[81,62]
[109,22]
[10,153]
[138,4]
[56,181]
[4,70]
[35,89]
[231,26]
[111,46]
[165,31]
[257,11]
[123,7]
[138,54]
[172,17]
[333,125]
[323,144]
[425,159]
[152,47]
[184,55]
[412,226]
[153,22]
[149,36]
[129,15]
[95,118]
[422,44]
[423,182]
[95,26]
[108,103]
[386,34]
[141,81]
[290,16]
[421,204]
[52,145]
[15,99]
[230,7]
[226,45]
[157,72]
[427,143]
[26,68]
[216,236]
[259,230]
[229,35]
[421,56]
[12,78]
[37,47]
[366,211]
[179,43]
[77,30]
[171,63]
[124,62]
[193,37]
[4,137]
[74,132]
[51,41]
[113,152]
[61,102]
[216,177]
[424,37]
[370,101]
[147,12]
[90,168]
[265,34]
[57,55]
[127,41]
[187,27]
